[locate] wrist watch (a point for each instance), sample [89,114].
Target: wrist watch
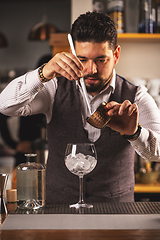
[135,135]
[40,73]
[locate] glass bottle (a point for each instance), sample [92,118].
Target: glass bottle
[131,13]
[115,10]
[31,183]
[98,5]
[146,17]
[158,16]
[154,15]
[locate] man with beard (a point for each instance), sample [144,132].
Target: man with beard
[54,89]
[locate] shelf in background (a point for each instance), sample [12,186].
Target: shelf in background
[139,37]
[147,188]
[59,41]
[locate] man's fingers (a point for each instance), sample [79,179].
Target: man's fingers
[126,107]
[133,108]
[65,64]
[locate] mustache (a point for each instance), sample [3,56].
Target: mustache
[92,76]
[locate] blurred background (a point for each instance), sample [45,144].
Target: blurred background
[32,31]
[17,19]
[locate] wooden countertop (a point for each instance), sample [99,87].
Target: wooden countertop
[80,234]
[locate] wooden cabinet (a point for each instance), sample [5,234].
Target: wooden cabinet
[59,42]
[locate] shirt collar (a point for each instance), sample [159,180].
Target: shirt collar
[111,85]
[113,81]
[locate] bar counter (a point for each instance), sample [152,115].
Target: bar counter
[80,234]
[105,221]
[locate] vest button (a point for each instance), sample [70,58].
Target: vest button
[88,179]
[87,195]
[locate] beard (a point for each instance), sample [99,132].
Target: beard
[98,86]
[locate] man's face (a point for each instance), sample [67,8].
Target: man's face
[98,61]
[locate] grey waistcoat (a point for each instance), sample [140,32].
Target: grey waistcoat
[113,177]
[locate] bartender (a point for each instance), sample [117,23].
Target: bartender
[54,90]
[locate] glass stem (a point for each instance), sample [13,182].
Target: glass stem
[81,200]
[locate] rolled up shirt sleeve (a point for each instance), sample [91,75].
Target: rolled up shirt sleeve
[27,95]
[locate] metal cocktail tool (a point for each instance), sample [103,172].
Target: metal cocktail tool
[3,182]
[82,78]
[98,118]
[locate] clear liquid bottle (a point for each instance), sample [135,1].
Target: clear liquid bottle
[115,10]
[31,183]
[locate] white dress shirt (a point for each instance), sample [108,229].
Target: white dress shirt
[27,95]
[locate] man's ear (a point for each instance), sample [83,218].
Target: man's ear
[117,54]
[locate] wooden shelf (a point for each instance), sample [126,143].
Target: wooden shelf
[147,188]
[59,41]
[139,37]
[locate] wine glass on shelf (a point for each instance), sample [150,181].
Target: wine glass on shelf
[80,159]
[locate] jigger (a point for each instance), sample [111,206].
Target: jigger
[99,118]
[3,182]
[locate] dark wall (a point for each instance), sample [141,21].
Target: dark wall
[17,17]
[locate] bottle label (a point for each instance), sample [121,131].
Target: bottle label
[118,20]
[114,5]
[146,6]
[153,14]
[98,6]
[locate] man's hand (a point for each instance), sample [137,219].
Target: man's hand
[63,64]
[124,117]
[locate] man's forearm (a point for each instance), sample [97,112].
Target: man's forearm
[19,93]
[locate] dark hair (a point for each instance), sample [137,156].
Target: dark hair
[95,27]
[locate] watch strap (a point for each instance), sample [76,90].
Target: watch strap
[135,135]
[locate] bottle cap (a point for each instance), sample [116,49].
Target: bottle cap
[11,195]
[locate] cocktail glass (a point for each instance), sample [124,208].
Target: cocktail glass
[80,159]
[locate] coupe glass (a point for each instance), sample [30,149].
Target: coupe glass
[80,159]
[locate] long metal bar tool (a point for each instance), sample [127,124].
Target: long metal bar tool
[82,78]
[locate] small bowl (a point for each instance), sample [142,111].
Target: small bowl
[99,118]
